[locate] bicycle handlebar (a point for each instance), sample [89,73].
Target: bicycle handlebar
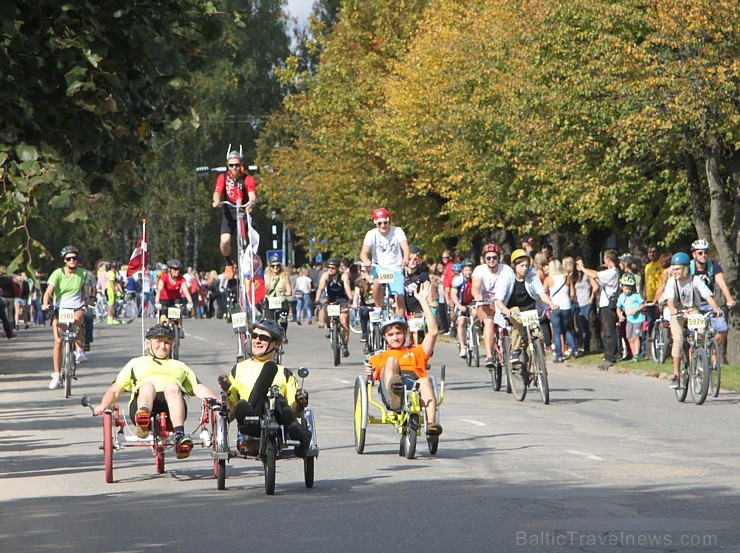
[247,205]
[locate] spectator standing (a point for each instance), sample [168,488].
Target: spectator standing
[586,289]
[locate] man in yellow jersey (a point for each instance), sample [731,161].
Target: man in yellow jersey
[653,275]
[157,384]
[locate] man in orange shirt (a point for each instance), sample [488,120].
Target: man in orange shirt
[401,365]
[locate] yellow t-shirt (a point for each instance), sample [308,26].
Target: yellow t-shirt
[159,372]
[245,374]
[653,275]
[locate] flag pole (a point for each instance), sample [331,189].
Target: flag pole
[143,269]
[251,267]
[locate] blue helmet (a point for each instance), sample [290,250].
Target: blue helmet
[680,258]
[456,267]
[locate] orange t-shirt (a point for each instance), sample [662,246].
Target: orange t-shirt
[409,359]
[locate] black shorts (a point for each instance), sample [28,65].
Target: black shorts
[160,406]
[228,220]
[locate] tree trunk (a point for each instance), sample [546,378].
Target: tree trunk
[696,197]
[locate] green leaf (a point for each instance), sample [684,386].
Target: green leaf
[26,153]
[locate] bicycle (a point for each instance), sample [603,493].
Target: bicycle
[694,371]
[333,311]
[125,310]
[532,370]
[172,317]
[499,377]
[68,331]
[472,338]
[660,339]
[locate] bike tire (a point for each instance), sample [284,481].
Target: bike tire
[219,436]
[377,339]
[476,347]
[159,457]
[128,312]
[541,372]
[336,344]
[715,368]
[663,343]
[515,375]
[360,432]
[67,368]
[699,376]
[433,445]
[308,471]
[175,352]
[108,445]
[496,372]
[269,462]
[683,379]
[409,436]
[354,320]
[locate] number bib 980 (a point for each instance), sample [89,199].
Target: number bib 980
[530,318]
[238,320]
[275,302]
[385,277]
[696,322]
[416,324]
[173,312]
[66,315]
[333,310]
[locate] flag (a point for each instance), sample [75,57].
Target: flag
[136,262]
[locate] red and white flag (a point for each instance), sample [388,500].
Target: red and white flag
[136,262]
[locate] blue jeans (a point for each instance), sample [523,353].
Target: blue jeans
[560,326]
[303,304]
[584,329]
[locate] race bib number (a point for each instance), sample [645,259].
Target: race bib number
[66,315]
[375,317]
[696,322]
[530,318]
[173,312]
[416,324]
[275,302]
[385,277]
[333,310]
[238,320]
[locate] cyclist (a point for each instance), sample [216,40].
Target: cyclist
[684,292]
[519,290]
[66,286]
[171,287]
[277,285]
[389,249]
[107,287]
[157,384]
[249,380]
[338,290]
[399,364]
[461,296]
[484,282]
[711,273]
[414,275]
[238,186]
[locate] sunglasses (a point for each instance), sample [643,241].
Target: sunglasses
[71,258]
[381,223]
[261,337]
[491,257]
[234,164]
[445,257]
[701,252]
[276,266]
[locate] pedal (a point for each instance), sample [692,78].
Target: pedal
[143,419]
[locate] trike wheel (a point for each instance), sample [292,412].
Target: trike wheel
[218,436]
[433,444]
[308,468]
[219,467]
[360,416]
[269,463]
[159,458]
[409,436]
[108,445]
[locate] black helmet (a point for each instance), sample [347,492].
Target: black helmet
[174,264]
[273,328]
[160,331]
[69,249]
[275,258]
[394,320]
[414,249]
[334,261]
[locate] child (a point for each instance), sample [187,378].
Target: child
[631,304]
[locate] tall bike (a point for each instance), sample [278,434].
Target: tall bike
[531,370]
[694,372]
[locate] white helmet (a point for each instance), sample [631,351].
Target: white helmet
[699,245]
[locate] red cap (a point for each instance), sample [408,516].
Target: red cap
[490,248]
[380,212]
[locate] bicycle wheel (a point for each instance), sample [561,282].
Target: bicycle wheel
[219,436]
[269,464]
[683,378]
[699,376]
[354,320]
[476,347]
[126,312]
[67,367]
[433,445]
[664,337]
[377,338]
[653,340]
[108,445]
[715,367]
[175,353]
[496,371]
[336,343]
[159,457]
[515,373]
[409,436]
[540,368]
[360,414]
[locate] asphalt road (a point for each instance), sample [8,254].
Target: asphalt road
[614,463]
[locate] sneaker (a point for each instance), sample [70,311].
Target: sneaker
[183,445]
[87,346]
[606,365]
[364,338]
[310,321]
[489,362]
[285,340]
[515,358]
[229,272]
[675,384]
[80,356]
[452,333]
[578,354]
[394,398]
[345,351]
[557,359]
[463,352]
[298,323]
[112,321]
[634,360]
[142,419]
[56,381]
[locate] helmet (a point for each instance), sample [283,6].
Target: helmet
[233,154]
[490,248]
[333,262]
[69,249]
[466,263]
[380,212]
[273,328]
[517,255]
[394,320]
[626,258]
[680,258]
[628,279]
[275,258]
[699,245]
[414,249]
[456,267]
[174,264]
[160,331]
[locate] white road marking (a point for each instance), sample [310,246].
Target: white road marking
[586,455]
[205,340]
[475,423]
[343,381]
